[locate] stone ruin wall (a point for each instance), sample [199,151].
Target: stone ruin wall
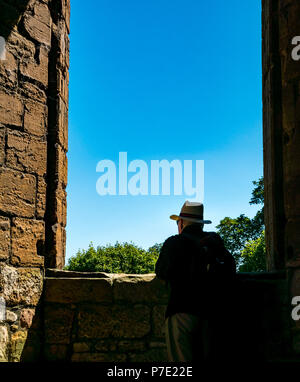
[33,162]
[281,121]
[54,317]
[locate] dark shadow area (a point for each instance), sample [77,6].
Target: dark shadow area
[33,348]
[10,13]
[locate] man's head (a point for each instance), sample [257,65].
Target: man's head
[182,223]
[190,213]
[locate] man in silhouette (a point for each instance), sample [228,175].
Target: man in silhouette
[192,311]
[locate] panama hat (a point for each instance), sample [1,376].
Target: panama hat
[191,211]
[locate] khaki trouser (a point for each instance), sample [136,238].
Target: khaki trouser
[188,338]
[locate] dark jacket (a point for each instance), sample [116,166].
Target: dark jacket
[173,265]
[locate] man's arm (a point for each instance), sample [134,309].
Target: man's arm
[163,266]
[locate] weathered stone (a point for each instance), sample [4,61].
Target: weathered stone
[130,345]
[35,118]
[41,13]
[26,318]
[140,288]
[37,71]
[158,319]
[14,328]
[19,46]
[61,206]
[61,166]
[74,290]
[4,238]
[20,285]
[9,71]
[17,193]
[114,321]
[58,246]
[62,127]
[106,345]
[155,344]
[3,343]
[55,352]
[11,109]
[26,153]
[58,324]
[11,316]
[37,30]
[81,347]
[32,91]
[98,357]
[17,343]
[27,237]
[2,145]
[153,355]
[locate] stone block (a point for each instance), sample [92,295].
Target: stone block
[58,324]
[2,146]
[81,347]
[76,290]
[158,320]
[38,30]
[62,128]
[11,317]
[26,318]
[41,13]
[17,343]
[9,71]
[152,355]
[27,237]
[11,109]
[3,343]
[98,357]
[32,91]
[19,46]
[36,68]
[130,345]
[61,172]
[41,197]
[106,345]
[20,285]
[4,238]
[55,352]
[17,193]
[140,288]
[35,118]
[118,321]
[26,153]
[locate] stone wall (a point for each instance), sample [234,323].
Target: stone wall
[281,97]
[33,166]
[100,317]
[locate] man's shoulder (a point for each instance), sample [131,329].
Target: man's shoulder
[171,241]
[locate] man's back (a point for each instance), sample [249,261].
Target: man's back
[182,265]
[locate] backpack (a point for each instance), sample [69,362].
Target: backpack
[211,259]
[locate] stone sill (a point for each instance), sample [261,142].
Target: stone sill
[58,273]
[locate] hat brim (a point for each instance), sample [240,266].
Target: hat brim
[176,217]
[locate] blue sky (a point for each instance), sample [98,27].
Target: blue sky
[162,79]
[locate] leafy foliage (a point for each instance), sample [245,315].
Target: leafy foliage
[242,233]
[254,255]
[118,258]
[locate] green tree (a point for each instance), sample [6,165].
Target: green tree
[238,232]
[118,258]
[254,255]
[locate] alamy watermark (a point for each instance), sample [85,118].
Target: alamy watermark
[156,180]
[2,309]
[2,48]
[296,50]
[296,311]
